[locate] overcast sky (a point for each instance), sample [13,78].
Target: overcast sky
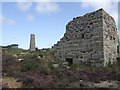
[47,20]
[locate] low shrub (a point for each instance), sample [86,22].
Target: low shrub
[10,65]
[30,66]
[38,80]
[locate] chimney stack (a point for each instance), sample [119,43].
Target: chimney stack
[32,42]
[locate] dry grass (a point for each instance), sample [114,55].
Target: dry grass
[12,82]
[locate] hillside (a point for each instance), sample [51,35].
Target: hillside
[40,69]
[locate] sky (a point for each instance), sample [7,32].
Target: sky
[47,20]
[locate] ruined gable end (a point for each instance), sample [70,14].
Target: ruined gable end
[89,39]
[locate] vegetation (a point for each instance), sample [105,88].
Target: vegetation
[13,50]
[41,69]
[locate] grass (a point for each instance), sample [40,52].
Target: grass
[13,50]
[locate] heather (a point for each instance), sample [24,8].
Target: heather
[40,69]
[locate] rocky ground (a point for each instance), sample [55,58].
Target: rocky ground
[102,84]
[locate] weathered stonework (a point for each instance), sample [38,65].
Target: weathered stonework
[89,39]
[32,42]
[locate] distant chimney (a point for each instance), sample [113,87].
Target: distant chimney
[32,42]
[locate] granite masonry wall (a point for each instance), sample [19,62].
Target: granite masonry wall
[89,39]
[110,39]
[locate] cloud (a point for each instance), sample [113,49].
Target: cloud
[23,6]
[108,5]
[47,7]
[8,21]
[30,17]
[41,6]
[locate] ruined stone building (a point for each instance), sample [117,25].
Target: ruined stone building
[89,39]
[32,42]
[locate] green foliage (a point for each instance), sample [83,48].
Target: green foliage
[82,67]
[44,70]
[31,65]
[14,50]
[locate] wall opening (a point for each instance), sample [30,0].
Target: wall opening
[82,36]
[117,49]
[69,60]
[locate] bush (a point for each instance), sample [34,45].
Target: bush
[38,80]
[10,65]
[30,66]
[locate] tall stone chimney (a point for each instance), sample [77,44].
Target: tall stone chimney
[32,42]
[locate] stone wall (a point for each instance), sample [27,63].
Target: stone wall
[85,39]
[110,39]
